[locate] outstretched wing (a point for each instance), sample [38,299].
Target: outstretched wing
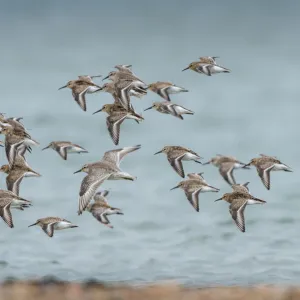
[226,170]
[176,164]
[13,181]
[62,151]
[49,229]
[113,123]
[264,173]
[237,213]
[78,93]
[89,186]
[163,92]
[5,214]
[193,198]
[116,156]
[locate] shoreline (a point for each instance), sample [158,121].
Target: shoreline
[54,289]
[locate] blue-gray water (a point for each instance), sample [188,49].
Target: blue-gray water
[253,110]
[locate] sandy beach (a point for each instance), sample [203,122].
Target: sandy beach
[50,289]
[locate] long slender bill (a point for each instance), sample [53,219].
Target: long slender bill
[148,108]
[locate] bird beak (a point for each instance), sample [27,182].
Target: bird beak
[96,76]
[46,147]
[148,108]
[176,187]
[185,68]
[97,111]
[105,78]
[207,163]
[158,152]
[62,87]
[77,171]
[218,199]
[246,166]
[32,224]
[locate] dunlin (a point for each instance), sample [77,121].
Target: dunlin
[79,88]
[116,115]
[10,200]
[49,224]
[226,165]
[238,202]
[100,209]
[207,69]
[164,89]
[64,147]
[176,154]
[193,186]
[124,84]
[110,87]
[16,173]
[16,141]
[107,168]
[265,164]
[17,201]
[114,121]
[167,107]
[124,89]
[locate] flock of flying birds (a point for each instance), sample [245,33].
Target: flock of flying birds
[123,85]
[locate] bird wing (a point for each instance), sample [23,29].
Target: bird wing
[13,181]
[264,173]
[197,176]
[20,160]
[176,164]
[236,210]
[113,123]
[5,214]
[193,198]
[78,93]
[116,156]
[11,150]
[163,92]
[240,188]
[226,170]
[122,90]
[49,228]
[100,196]
[89,186]
[100,214]
[62,151]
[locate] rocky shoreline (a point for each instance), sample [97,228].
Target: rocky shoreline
[57,290]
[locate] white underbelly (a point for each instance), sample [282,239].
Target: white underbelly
[92,89]
[62,225]
[190,156]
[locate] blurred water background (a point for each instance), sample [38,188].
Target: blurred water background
[253,110]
